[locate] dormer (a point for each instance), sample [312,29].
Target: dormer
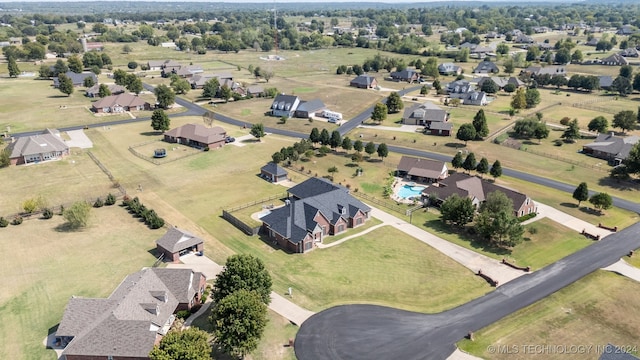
[342,209]
[151,308]
[160,295]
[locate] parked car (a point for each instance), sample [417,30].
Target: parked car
[229,139]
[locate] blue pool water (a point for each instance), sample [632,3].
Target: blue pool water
[408,191]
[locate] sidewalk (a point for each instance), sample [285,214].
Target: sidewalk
[467,258]
[279,304]
[569,221]
[324,246]
[623,268]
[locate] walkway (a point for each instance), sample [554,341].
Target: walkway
[467,258]
[324,246]
[623,268]
[279,304]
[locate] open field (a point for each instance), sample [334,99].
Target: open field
[42,270]
[599,309]
[53,184]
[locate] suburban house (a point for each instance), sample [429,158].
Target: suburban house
[478,98]
[134,318]
[629,52]
[467,93]
[609,147]
[422,170]
[439,128]
[115,89]
[364,81]
[187,71]
[429,115]
[314,209]
[460,87]
[36,148]
[501,81]
[486,67]
[120,103]
[157,65]
[255,91]
[177,242]
[284,105]
[197,81]
[482,51]
[523,39]
[449,68]
[197,136]
[592,42]
[307,109]
[408,75]
[614,60]
[478,189]
[605,82]
[273,172]
[76,79]
[626,30]
[542,70]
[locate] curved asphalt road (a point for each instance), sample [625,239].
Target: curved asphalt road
[376,332]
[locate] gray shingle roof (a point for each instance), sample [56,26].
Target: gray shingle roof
[124,100]
[176,239]
[77,79]
[613,145]
[364,79]
[284,102]
[48,141]
[127,323]
[312,187]
[612,352]
[427,112]
[274,169]
[198,133]
[311,105]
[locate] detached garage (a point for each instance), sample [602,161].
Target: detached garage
[177,242]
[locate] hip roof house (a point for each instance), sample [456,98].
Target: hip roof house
[120,103]
[420,169]
[133,319]
[36,148]
[197,136]
[315,208]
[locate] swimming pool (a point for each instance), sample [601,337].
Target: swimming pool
[409,191]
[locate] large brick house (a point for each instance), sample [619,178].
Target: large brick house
[478,189]
[612,148]
[198,136]
[314,209]
[364,81]
[134,318]
[37,148]
[429,115]
[120,103]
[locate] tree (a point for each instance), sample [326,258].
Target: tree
[483,166]
[496,222]
[347,145]
[358,146]
[121,77]
[541,131]
[75,64]
[509,65]
[243,272]
[132,65]
[160,121]
[599,124]
[134,84]
[335,140]
[164,96]
[636,82]
[577,56]
[14,71]
[126,49]
[519,100]
[45,72]
[509,88]
[65,84]
[5,159]
[558,81]
[370,148]
[572,132]
[382,150]
[469,162]
[325,138]
[77,215]
[179,85]
[489,87]
[379,113]
[581,193]
[626,71]
[622,85]
[88,82]
[188,344]
[257,130]
[532,97]
[601,201]
[239,320]
[625,120]
[457,210]
[457,161]
[314,136]
[277,157]
[466,132]
[210,88]
[480,124]
[394,103]
[496,169]
[103,91]
[632,162]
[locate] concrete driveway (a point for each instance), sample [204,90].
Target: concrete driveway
[79,139]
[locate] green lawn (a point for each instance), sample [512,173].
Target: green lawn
[599,309]
[44,267]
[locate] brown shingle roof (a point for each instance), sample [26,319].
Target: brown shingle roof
[199,133]
[428,168]
[124,100]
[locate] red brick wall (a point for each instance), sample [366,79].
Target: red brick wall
[323,222]
[334,228]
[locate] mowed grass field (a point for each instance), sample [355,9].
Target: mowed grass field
[43,267]
[598,309]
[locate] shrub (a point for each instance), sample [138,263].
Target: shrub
[16,220]
[557,142]
[533,230]
[565,121]
[110,200]
[3,222]
[47,213]
[61,210]
[183,314]
[99,203]
[527,217]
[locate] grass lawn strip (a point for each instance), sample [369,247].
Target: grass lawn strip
[598,309]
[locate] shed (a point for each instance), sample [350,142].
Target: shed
[176,242]
[273,172]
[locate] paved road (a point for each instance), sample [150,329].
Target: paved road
[376,332]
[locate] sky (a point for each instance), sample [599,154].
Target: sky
[282,1]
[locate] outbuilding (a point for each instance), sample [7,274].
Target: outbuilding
[177,242]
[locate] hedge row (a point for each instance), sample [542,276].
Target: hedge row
[135,207]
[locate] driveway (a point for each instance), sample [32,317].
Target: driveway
[78,139]
[569,221]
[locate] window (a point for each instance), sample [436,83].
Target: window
[340,228]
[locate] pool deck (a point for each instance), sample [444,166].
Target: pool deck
[399,183]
